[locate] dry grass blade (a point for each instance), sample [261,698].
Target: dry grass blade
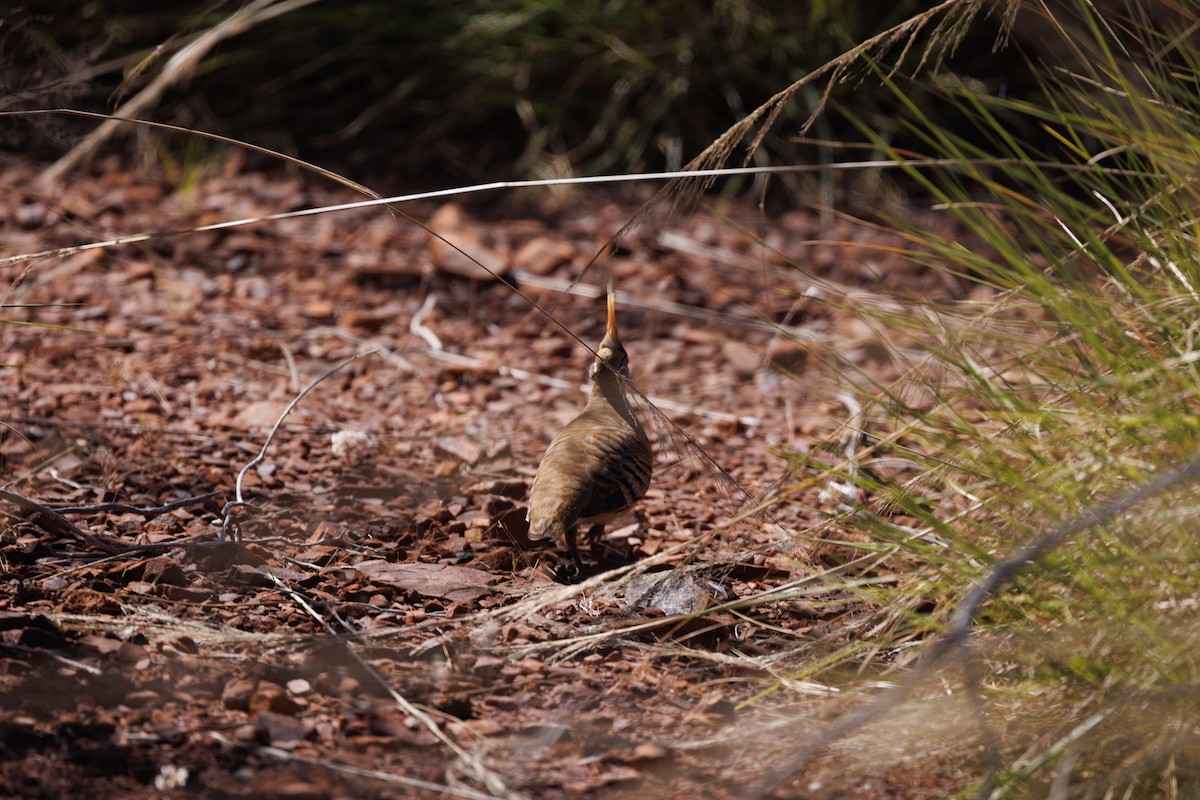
[376,200]
[166,627]
[949,21]
[181,65]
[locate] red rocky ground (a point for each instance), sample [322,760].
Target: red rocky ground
[394,564]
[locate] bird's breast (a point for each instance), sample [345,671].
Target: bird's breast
[597,466]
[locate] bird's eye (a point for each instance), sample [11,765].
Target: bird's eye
[616,359]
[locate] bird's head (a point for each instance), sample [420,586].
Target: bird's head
[610,355]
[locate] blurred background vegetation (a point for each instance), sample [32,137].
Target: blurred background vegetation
[482,90]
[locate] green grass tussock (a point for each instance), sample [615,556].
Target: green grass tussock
[1078,383]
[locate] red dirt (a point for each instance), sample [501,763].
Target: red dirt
[266,668]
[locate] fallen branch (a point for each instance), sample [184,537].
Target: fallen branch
[55,522]
[125,508]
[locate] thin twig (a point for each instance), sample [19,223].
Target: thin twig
[561,286]
[964,618]
[57,522]
[417,325]
[227,518]
[125,508]
[60,523]
[840,489]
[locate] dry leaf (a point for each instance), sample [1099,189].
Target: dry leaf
[447,581]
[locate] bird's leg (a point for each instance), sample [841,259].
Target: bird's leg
[573,549]
[595,532]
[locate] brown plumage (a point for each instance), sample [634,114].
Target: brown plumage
[600,463]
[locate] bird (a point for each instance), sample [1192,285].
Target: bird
[600,464]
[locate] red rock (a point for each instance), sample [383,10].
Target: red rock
[318,309]
[543,255]
[456,246]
